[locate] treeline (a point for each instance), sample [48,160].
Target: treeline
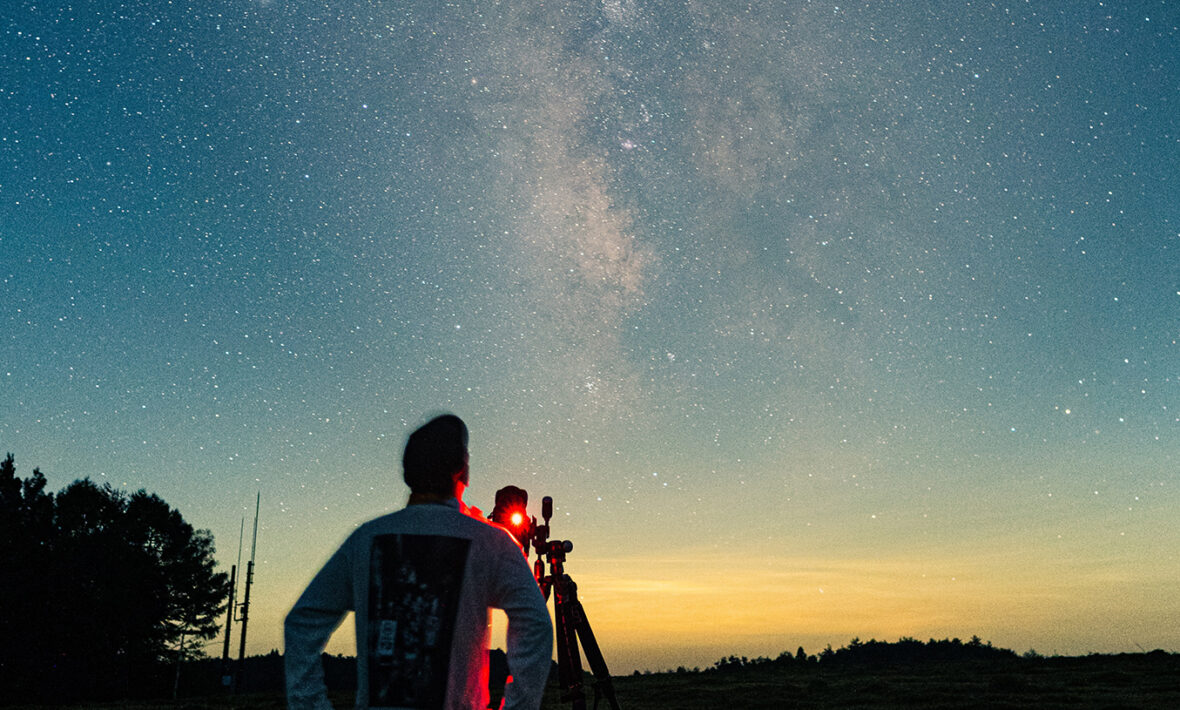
[104,593]
[906,651]
[909,651]
[260,674]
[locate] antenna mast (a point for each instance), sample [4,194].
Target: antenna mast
[246,600]
[227,676]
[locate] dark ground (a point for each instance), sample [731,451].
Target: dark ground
[1087,683]
[1082,683]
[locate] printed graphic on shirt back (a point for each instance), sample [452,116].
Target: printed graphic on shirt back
[414,584]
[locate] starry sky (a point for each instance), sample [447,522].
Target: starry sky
[817,320]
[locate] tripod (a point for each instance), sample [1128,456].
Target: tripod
[569,617]
[571,625]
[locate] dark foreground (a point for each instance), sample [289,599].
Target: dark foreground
[1091,682]
[1098,683]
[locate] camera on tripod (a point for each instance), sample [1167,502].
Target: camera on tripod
[511,512]
[570,622]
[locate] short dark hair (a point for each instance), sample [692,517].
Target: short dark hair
[434,453]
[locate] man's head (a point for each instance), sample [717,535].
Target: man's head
[435,458]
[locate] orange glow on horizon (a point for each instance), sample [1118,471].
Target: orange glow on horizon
[1017,589]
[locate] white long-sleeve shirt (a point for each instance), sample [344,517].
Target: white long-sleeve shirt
[422,581]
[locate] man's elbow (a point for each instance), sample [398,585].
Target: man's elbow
[543,630]
[303,620]
[293,620]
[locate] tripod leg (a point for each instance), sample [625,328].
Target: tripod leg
[569,660]
[581,626]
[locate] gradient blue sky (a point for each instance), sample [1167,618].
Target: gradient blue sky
[817,320]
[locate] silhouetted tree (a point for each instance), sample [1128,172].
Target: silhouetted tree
[181,559]
[26,531]
[107,588]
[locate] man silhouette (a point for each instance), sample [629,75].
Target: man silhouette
[421,582]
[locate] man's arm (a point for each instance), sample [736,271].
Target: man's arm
[530,633]
[308,627]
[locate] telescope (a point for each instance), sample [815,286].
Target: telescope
[570,622]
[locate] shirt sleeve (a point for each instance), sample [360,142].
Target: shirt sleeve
[308,627]
[530,631]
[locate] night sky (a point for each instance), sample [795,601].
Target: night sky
[817,321]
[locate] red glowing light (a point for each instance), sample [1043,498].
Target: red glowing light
[517,519]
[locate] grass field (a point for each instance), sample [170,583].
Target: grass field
[1084,683]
